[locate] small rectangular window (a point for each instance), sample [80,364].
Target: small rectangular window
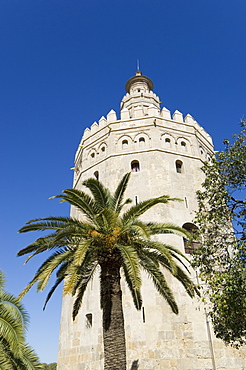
[136,199]
[88,320]
[143,312]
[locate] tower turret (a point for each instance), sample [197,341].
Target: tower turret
[139,94]
[165,153]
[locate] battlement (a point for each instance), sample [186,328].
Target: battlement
[139,115]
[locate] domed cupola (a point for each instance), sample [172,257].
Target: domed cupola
[139,83]
[139,94]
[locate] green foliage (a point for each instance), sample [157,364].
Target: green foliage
[111,241]
[49,366]
[104,236]
[15,354]
[222,229]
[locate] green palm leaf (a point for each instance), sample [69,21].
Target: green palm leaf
[131,264]
[102,196]
[119,193]
[139,209]
[159,282]
[117,243]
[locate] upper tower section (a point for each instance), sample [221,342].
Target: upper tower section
[139,95]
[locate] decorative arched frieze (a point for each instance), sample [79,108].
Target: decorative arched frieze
[102,150]
[141,140]
[183,144]
[124,143]
[167,140]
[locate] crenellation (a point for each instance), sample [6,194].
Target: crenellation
[177,116]
[124,114]
[111,116]
[87,133]
[189,119]
[153,111]
[94,127]
[102,122]
[165,113]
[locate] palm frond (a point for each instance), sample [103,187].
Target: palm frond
[12,331]
[131,264]
[87,274]
[80,200]
[188,284]
[30,359]
[138,228]
[60,274]
[159,282]
[159,259]
[119,193]
[167,228]
[162,249]
[140,208]
[52,290]
[66,256]
[136,293]
[106,220]
[11,304]
[101,194]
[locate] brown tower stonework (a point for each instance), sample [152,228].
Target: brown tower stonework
[165,154]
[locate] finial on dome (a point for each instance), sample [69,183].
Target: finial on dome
[139,78]
[138,73]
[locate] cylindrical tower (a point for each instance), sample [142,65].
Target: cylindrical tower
[164,154]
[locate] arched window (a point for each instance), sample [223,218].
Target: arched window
[183,145]
[93,155]
[124,144]
[167,142]
[190,245]
[179,166]
[141,142]
[96,174]
[103,149]
[135,167]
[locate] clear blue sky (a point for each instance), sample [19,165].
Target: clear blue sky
[64,64]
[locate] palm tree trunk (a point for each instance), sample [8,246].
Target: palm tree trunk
[113,319]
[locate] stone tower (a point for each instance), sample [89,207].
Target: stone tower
[165,154]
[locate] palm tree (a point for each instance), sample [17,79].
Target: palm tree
[119,243]
[15,354]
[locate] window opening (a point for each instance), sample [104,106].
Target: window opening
[142,140]
[103,149]
[179,166]
[143,313]
[88,320]
[190,245]
[135,167]
[92,155]
[136,199]
[96,174]
[124,143]
[186,202]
